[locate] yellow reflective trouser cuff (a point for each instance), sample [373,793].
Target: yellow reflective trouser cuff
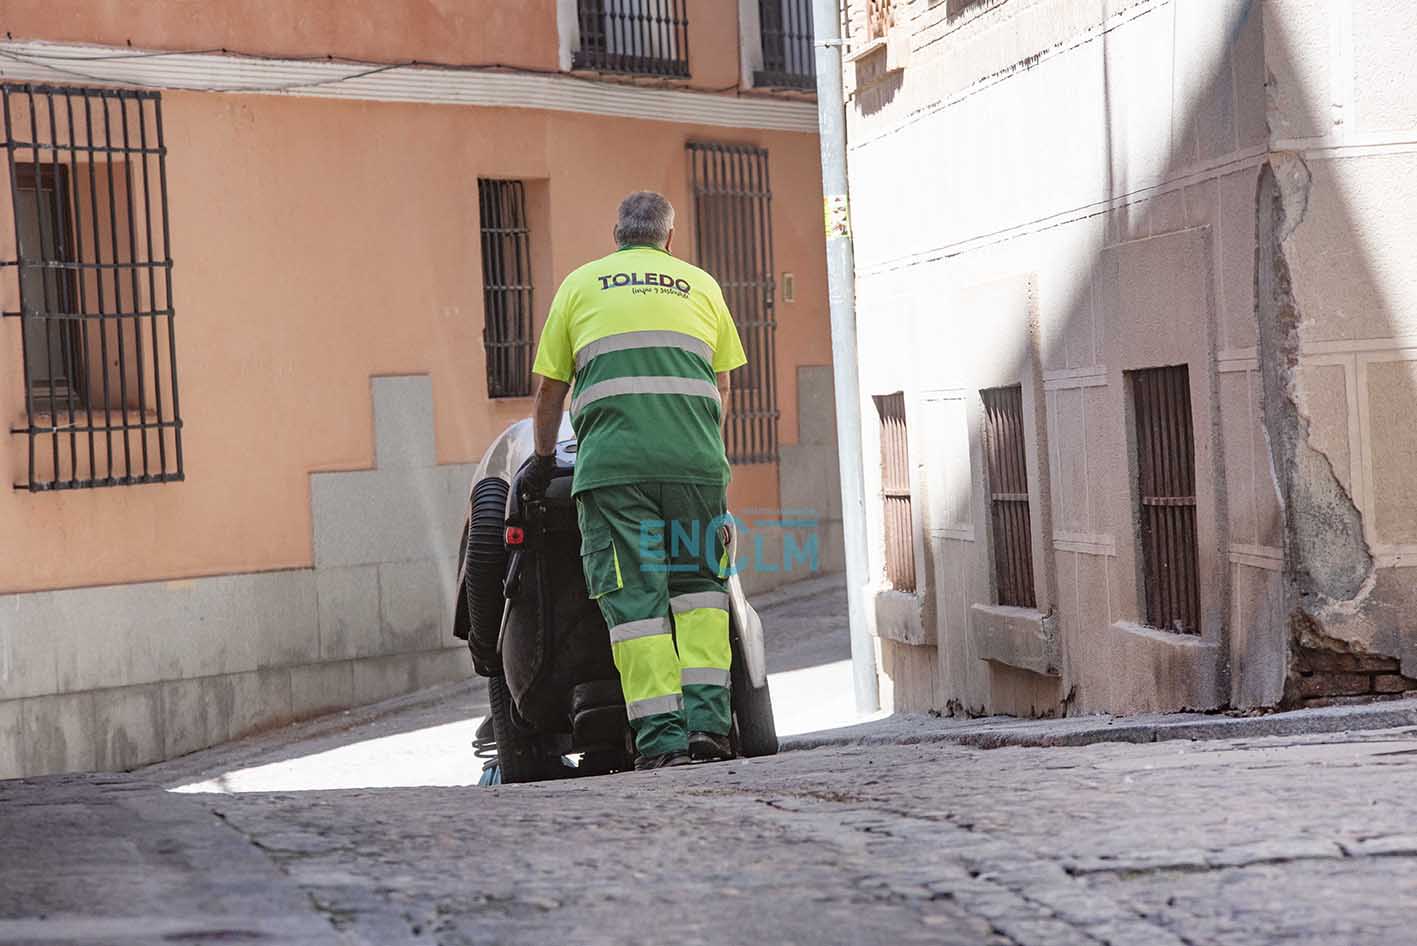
[649,668]
[702,633]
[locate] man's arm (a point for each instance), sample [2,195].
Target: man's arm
[546,413]
[724,388]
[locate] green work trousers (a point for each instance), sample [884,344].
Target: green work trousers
[654,563]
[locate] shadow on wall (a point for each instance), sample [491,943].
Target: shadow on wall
[1301,388]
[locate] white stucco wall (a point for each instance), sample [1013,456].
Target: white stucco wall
[1104,155]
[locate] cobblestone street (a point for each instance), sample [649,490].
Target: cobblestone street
[1301,839]
[1293,841]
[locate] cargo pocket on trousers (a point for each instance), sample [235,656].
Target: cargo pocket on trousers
[600,563]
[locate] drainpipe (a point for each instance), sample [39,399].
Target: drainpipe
[841,288]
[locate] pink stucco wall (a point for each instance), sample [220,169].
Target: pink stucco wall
[320,242]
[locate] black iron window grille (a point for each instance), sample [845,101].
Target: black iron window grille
[895,492]
[733,235]
[506,287]
[1007,466]
[92,286]
[1166,481]
[789,60]
[638,37]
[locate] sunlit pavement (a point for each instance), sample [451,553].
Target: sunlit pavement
[428,742]
[805,700]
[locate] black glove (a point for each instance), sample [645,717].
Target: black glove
[538,476]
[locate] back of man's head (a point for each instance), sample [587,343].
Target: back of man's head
[645,218]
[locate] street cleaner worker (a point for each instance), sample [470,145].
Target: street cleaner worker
[649,342]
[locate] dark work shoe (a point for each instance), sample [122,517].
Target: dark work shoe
[662,761]
[709,747]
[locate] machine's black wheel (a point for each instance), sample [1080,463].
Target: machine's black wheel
[486,555]
[519,752]
[752,714]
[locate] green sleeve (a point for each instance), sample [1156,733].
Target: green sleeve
[554,358]
[728,349]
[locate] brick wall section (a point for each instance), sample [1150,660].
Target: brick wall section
[1323,678]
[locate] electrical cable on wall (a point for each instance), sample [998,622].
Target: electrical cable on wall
[365,68]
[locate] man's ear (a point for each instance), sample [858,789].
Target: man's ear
[615,235]
[669,240]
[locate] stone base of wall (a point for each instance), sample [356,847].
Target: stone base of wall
[1327,678]
[120,728]
[120,676]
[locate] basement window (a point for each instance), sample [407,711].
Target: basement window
[1166,490]
[91,286]
[506,287]
[895,492]
[1007,466]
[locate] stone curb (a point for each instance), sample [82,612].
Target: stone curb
[1001,733]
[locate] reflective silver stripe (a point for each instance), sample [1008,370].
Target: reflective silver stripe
[631,630]
[699,599]
[693,387]
[655,705]
[706,676]
[626,341]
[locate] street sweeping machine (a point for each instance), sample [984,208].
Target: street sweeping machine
[556,706]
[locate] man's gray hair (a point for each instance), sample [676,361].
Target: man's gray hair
[645,217]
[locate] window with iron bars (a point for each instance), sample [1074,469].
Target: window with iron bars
[880,17]
[638,37]
[506,287]
[895,492]
[1166,488]
[1006,463]
[733,238]
[92,286]
[789,60]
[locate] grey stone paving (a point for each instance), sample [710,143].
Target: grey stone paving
[1244,841]
[1306,840]
[109,861]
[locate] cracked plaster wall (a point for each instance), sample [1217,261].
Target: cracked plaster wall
[1278,134]
[1337,311]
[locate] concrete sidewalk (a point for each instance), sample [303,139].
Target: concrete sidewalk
[107,860]
[997,732]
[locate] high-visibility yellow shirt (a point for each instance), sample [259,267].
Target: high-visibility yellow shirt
[643,334]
